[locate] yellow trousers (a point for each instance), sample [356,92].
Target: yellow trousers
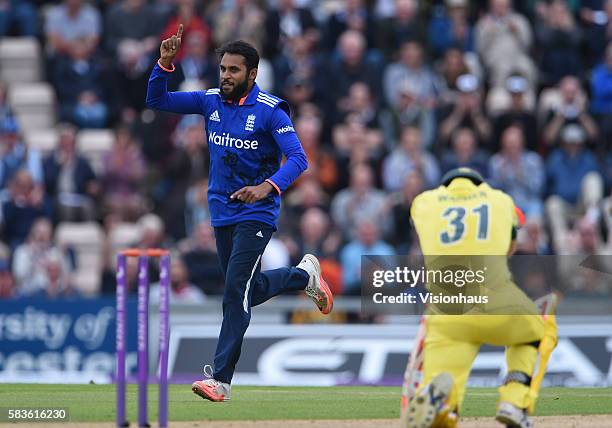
[452,343]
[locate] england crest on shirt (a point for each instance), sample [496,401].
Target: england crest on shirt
[250,122]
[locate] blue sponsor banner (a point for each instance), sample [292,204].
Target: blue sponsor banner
[62,341]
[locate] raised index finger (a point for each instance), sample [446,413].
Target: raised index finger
[179,33]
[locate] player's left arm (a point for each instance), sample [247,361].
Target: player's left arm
[284,135]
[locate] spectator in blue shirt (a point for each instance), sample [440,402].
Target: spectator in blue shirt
[519,172]
[450,27]
[574,184]
[367,242]
[601,93]
[15,155]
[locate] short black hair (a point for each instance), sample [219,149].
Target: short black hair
[242,48]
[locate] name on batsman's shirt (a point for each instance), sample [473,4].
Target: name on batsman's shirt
[246,141]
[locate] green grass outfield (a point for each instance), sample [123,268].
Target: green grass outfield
[89,403]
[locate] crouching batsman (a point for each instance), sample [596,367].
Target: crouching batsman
[248,131]
[465,216]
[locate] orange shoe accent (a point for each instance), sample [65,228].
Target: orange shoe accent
[330,297]
[206,392]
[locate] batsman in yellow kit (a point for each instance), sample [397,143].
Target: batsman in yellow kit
[466,216]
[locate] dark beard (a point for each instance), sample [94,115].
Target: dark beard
[235,93]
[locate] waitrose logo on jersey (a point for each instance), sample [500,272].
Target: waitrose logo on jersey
[227,140]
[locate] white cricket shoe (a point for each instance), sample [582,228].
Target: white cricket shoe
[210,388]
[317,289]
[512,416]
[430,404]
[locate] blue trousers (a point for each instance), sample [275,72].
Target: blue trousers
[240,248]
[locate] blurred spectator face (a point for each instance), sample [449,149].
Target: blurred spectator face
[2,93]
[41,233]
[152,229]
[67,139]
[299,46]
[413,185]
[352,47]
[500,8]
[367,233]
[559,14]
[194,138]
[204,235]
[529,236]
[570,89]
[609,54]
[406,10]
[9,134]
[123,138]
[134,4]
[72,5]
[457,9]
[55,270]
[587,233]
[298,90]
[361,179]
[512,142]
[22,186]
[187,8]
[411,140]
[313,225]
[411,54]
[353,5]
[453,62]
[464,143]
[7,282]
[178,273]
[356,130]
[309,131]
[197,45]
[359,96]
[285,4]
[311,193]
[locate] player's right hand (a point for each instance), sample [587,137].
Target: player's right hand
[170,47]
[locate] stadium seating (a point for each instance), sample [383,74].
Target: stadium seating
[123,235]
[94,144]
[86,240]
[34,104]
[20,60]
[42,140]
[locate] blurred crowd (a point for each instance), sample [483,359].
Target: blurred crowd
[387,95]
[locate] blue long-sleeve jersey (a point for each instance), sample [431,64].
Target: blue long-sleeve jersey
[246,141]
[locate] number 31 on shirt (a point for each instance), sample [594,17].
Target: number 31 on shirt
[456,217]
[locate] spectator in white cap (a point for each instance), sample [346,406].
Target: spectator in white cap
[513,104]
[466,112]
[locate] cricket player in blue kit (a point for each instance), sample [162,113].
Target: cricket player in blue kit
[248,131]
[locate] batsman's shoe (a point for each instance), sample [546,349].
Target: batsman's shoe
[512,416]
[210,388]
[429,408]
[317,289]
